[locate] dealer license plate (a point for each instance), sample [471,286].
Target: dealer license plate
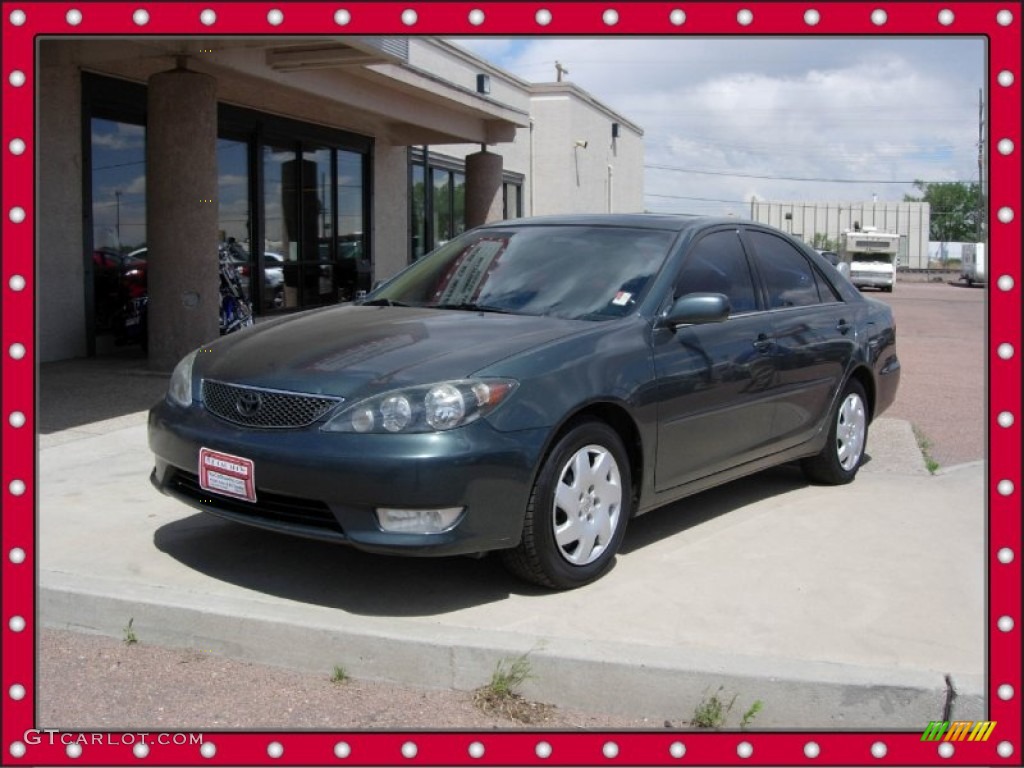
[227,475]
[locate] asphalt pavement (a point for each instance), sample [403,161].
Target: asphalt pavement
[836,607]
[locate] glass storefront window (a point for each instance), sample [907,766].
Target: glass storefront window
[458,183]
[353,255]
[317,211]
[118,185]
[442,218]
[233,207]
[419,212]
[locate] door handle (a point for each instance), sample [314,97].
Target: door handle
[762,343]
[843,327]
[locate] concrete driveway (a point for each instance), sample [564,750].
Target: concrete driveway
[837,607]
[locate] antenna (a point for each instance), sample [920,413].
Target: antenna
[560,70]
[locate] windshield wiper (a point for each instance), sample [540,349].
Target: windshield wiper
[467,306]
[383,303]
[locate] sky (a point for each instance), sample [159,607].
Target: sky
[760,116]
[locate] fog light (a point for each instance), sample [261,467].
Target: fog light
[418,520]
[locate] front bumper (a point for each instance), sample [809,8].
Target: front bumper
[327,485]
[871,281]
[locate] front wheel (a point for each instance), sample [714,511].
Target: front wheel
[839,460]
[577,514]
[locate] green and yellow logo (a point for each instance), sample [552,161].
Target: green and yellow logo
[958,730]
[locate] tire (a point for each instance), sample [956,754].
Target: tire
[578,510]
[841,458]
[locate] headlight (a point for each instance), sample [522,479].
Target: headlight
[430,408]
[180,388]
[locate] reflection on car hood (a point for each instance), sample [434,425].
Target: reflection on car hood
[359,351]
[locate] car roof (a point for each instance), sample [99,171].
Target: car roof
[670,222]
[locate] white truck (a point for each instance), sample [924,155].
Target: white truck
[870,256]
[972,263]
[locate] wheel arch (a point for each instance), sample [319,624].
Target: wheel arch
[862,375]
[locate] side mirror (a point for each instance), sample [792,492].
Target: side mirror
[696,309]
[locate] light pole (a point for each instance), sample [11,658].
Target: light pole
[117,197]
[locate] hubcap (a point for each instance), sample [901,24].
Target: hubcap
[851,428]
[587,505]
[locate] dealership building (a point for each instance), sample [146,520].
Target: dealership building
[323,163]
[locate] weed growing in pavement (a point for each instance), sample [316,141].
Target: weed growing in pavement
[712,711]
[339,675]
[501,696]
[925,445]
[750,714]
[130,638]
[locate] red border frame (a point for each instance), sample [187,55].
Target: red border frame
[516,18]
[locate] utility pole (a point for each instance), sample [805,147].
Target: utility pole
[560,70]
[981,164]
[117,198]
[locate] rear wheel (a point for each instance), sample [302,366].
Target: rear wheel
[841,457]
[577,514]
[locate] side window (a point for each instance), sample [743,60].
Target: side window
[788,276]
[717,264]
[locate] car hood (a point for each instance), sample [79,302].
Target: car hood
[358,351]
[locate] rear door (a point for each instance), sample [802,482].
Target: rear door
[814,335]
[714,380]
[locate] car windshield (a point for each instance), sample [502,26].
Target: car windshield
[574,271]
[873,258]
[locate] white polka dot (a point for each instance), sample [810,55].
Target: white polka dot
[16,283]
[17,556]
[1005,214]
[16,419]
[476,750]
[73,17]
[1005,624]
[17,487]
[342,750]
[1005,487]
[141,750]
[677,17]
[17,214]
[610,17]
[543,750]
[1005,351]
[275,16]
[17,147]
[74,751]
[208,750]
[879,750]
[18,749]
[342,17]
[16,624]
[677,750]
[1005,283]
[946,17]
[1004,18]
[275,749]
[476,18]
[1005,692]
[1005,78]
[879,17]
[1005,749]
[17,351]
[409,750]
[610,750]
[543,17]
[811,749]
[1005,555]
[16,78]
[1005,146]
[745,16]
[745,749]
[17,17]
[16,692]
[141,17]
[946,750]
[811,17]
[208,17]
[409,17]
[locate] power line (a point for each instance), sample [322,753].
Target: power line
[794,178]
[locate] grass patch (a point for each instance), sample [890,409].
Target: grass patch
[130,638]
[712,710]
[750,714]
[339,675]
[501,696]
[925,446]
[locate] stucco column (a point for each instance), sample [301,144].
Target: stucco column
[483,188]
[181,214]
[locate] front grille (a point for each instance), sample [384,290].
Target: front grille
[308,513]
[264,408]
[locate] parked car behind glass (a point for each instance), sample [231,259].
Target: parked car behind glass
[531,386]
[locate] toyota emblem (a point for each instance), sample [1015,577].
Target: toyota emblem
[249,403]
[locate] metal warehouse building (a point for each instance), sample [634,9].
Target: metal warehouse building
[331,162]
[808,219]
